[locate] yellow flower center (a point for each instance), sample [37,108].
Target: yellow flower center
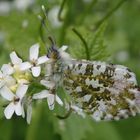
[21,77]
[14,88]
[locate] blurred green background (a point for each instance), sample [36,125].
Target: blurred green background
[110,31]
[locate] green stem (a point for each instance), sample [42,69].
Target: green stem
[97,25]
[60,11]
[84,42]
[87,10]
[41,31]
[91,5]
[65,24]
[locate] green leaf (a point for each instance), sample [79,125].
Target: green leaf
[92,45]
[97,47]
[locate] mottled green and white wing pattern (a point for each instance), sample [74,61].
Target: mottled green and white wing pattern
[104,91]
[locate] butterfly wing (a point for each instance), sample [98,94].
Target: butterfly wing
[104,91]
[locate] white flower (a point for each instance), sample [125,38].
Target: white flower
[35,61]
[48,84]
[6,80]
[16,61]
[53,17]
[13,68]
[15,104]
[9,69]
[51,98]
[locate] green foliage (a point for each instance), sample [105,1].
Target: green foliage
[98,49]
[91,45]
[96,41]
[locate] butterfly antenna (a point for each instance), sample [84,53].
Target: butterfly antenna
[52,41]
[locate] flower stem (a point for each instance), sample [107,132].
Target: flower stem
[84,42]
[60,11]
[109,14]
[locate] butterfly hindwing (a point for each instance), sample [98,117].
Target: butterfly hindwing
[105,91]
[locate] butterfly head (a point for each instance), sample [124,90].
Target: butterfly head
[53,52]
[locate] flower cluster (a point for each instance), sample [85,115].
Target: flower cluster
[15,80]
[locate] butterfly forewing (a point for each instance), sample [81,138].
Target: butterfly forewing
[105,91]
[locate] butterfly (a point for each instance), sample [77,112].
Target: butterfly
[102,90]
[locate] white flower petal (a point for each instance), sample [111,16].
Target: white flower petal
[63,48]
[29,113]
[15,59]
[9,110]
[2,83]
[23,81]
[21,90]
[23,113]
[1,74]
[50,100]
[25,66]
[58,100]
[41,95]
[6,93]
[48,84]
[18,109]
[65,56]
[48,69]
[42,60]
[34,51]
[36,71]
[9,81]
[7,69]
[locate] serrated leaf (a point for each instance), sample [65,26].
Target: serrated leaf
[97,47]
